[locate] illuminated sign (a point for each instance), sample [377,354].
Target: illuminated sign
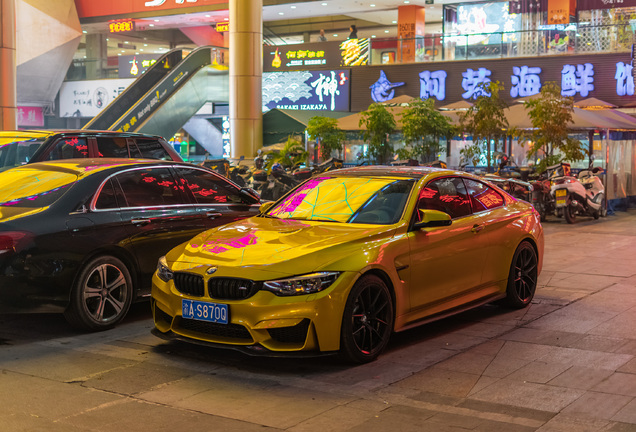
[315,55]
[132,66]
[472,80]
[222,26]
[88,98]
[525,81]
[121,26]
[382,89]
[433,84]
[306,90]
[624,79]
[577,79]
[153,3]
[301,57]
[33,116]
[355,52]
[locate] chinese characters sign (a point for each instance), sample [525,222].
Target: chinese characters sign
[307,90]
[88,98]
[132,66]
[331,55]
[33,116]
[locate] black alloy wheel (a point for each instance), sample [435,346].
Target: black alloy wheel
[569,212]
[101,296]
[367,321]
[522,279]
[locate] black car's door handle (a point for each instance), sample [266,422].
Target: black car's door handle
[213,215]
[477,228]
[140,221]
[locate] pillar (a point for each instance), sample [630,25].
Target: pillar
[96,55]
[246,74]
[8,98]
[410,26]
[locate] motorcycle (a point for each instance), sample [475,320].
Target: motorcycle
[511,181]
[582,195]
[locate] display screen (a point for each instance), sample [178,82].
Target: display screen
[121,26]
[306,90]
[477,19]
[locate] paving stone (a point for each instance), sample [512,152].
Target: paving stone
[618,383]
[572,423]
[627,414]
[597,405]
[409,420]
[577,357]
[579,377]
[542,337]
[506,409]
[629,367]
[341,418]
[528,395]
[444,382]
[597,343]
[621,326]
[482,383]
[467,362]
[628,348]
[501,366]
[621,427]
[538,372]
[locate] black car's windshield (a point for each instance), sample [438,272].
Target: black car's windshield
[15,151]
[378,200]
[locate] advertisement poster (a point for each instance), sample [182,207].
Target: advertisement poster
[132,66]
[306,90]
[88,98]
[319,55]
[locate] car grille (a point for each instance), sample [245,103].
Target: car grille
[295,334]
[162,316]
[233,331]
[188,283]
[232,288]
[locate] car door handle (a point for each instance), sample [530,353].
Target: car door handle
[213,215]
[476,228]
[140,221]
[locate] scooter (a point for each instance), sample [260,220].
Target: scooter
[584,195]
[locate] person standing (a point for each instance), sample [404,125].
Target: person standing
[354,32]
[322,37]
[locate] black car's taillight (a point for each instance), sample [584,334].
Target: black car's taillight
[11,241]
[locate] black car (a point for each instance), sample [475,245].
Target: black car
[83,236]
[22,147]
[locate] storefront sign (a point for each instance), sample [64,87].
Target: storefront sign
[604,4]
[306,90]
[132,66]
[607,77]
[559,11]
[88,98]
[222,27]
[93,8]
[352,52]
[30,116]
[121,26]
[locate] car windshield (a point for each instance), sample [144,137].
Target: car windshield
[22,188]
[377,200]
[15,151]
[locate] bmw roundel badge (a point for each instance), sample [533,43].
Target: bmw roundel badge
[212,270]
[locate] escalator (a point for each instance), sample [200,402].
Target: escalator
[168,94]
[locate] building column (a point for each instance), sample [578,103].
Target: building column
[8,98]
[246,74]
[96,56]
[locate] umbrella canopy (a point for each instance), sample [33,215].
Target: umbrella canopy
[459,105]
[399,100]
[593,104]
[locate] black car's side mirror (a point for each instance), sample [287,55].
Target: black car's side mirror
[432,219]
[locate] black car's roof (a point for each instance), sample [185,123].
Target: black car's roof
[83,166]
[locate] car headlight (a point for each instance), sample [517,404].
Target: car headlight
[299,285]
[164,273]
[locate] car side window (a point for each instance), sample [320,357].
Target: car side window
[112,147]
[482,196]
[152,149]
[210,189]
[109,197]
[69,148]
[150,187]
[447,194]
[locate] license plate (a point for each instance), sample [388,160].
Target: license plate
[561,196]
[205,311]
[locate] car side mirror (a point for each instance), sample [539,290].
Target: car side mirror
[265,206]
[432,219]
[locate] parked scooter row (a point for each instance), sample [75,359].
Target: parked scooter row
[583,195]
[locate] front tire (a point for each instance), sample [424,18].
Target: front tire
[522,278]
[101,296]
[367,321]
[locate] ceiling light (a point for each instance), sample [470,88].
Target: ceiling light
[136,53]
[372,5]
[107,39]
[324,4]
[335,35]
[407,1]
[126,42]
[145,44]
[386,31]
[372,36]
[293,7]
[207,16]
[141,49]
[151,25]
[158,20]
[84,31]
[118,53]
[394,22]
[281,13]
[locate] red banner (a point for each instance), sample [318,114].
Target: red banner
[93,8]
[30,116]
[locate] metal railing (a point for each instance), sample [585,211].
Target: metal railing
[572,39]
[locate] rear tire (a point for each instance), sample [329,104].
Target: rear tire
[522,278]
[569,213]
[367,321]
[101,296]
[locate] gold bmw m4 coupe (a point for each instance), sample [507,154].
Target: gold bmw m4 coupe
[347,258]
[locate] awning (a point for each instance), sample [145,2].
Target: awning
[279,124]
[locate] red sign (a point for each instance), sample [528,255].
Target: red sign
[30,116]
[121,26]
[92,8]
[222,26]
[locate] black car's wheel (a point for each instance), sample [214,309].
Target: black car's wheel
[367,321]
[522,279]
[101,296]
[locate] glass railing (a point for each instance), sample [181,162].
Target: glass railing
[584,39]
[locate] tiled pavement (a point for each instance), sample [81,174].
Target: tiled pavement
[566,363]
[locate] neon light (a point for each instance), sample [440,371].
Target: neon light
[577,79]
[472,80]
[525,81]
[433,84]
[624,79]
[382,89]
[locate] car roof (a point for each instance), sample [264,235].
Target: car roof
[82,167]
[393,171]
[38,133]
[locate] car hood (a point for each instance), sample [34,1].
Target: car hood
[276,245]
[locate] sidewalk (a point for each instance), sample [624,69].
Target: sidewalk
[566,363]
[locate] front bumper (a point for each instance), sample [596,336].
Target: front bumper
[261,324]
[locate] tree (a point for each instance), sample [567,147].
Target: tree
[423,126]
[379,123]
[292,153]
[486,119]
[325,131]
[551,116]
